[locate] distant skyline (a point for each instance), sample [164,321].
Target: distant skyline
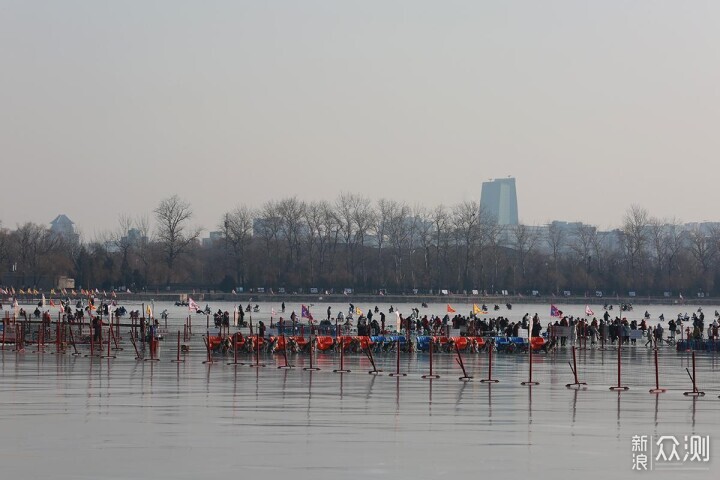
[109,107]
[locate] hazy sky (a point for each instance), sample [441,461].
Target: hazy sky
[108,107]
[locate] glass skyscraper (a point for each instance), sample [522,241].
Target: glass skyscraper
[498,198]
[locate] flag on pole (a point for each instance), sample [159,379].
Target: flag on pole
[358,312]
[588,312]
[450,309]
[272,312]
[305,312]
[148,309]
[52,304]
[42,301]
[477,309]
[192,306]
[554,312]
[681,297]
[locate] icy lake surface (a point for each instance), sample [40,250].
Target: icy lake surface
[67,417]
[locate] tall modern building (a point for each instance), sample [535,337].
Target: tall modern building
[499,198]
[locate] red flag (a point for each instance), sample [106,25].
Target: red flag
[450,309]
[554,312]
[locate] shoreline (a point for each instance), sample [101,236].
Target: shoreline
[369,298]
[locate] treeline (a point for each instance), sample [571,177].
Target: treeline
[369,245]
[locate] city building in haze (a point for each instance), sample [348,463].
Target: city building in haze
[499,199]
[63,227]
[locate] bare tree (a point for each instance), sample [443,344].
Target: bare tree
[399,237]
[291,212]
[556,239]
[237,228]
[465,226]
[349,208]
[174,234]
[634,238]
[32,242]
[703,247]
[441,221]
[524,242]
[123,241]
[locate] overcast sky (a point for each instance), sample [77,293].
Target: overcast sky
[106,107]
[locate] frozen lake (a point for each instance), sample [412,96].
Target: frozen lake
[68,417]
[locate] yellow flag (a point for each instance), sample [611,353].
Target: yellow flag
[22,292]
[358,311]
[52,291]
[149,311]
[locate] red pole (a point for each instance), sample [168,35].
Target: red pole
[72,340]
[257,351]
[92,344]
[577,383]
[465,377]
[178,360]
[132,340]
[342,368]
[619,387]
[287,364]
[657,388]
[312,347]
[110,334]
[530,381]
[397,369]
[430,375]
[209,360]
[490,379]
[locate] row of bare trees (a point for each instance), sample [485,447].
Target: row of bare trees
[370,245]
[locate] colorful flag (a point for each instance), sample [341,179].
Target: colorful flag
[149,311]
[22,292]
[113,294]
[358,312]
[450,309]
[476,309]
[305,312]
[52,291]
[52,304]
[588,312]
[192,306]
[554,312]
